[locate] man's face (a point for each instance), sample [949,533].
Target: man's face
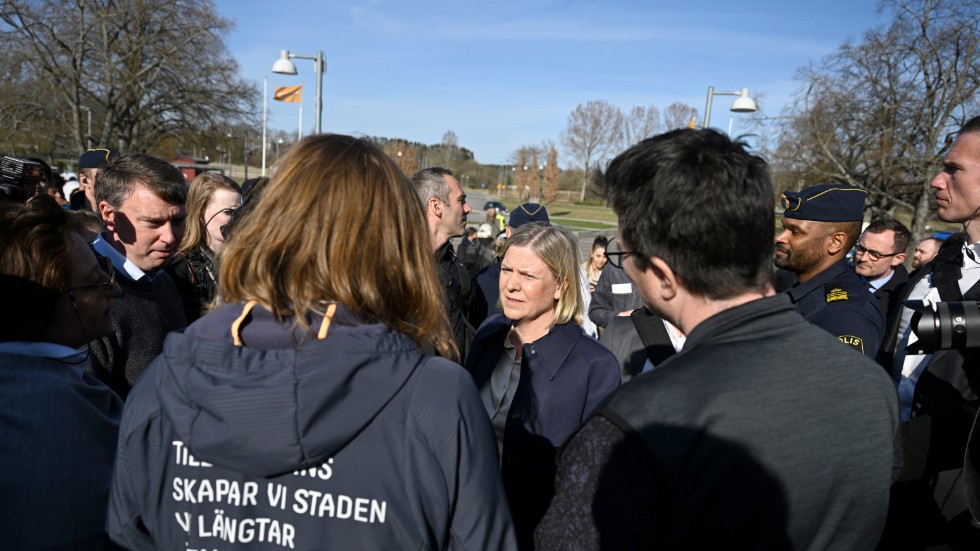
[800,246]
[924,252]
[958,185]
[148,228]
[876,244]
[454,213]
[86,181]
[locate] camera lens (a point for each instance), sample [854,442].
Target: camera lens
[945,325]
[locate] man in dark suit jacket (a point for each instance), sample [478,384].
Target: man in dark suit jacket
[878,259]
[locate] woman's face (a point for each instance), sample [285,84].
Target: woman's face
[82,314]
[217,214]
[599,258]
[528,291]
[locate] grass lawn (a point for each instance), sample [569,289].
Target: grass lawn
[576,224]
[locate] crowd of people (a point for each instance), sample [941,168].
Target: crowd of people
[216,366]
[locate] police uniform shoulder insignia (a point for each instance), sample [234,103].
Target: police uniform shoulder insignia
[851,340]
[835,293]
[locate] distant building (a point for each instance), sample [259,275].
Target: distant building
[191,166]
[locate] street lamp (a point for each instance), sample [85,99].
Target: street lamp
[284,66]
[278,143]
[744,104]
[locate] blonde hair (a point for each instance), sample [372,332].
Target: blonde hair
[201,191]
[558,249]
[339,221]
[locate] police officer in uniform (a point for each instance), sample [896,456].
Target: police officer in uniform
[820,224]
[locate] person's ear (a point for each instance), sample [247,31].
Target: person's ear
[835,242]
[108,213]
[435,207]
[665,277]
[560,288]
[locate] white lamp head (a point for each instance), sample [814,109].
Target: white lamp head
[283,65]
[744,104]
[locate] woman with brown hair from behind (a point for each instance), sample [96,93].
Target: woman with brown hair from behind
[306,396]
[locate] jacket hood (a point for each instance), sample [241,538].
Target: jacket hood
[267,410]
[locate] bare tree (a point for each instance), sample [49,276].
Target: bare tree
[526,151]
[551,176]
[639,124]
[407,155]
[880,114]
[146,70]
[591,136]
[679,115]
[447,153]
[523,174]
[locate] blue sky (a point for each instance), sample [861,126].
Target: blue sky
[507,73]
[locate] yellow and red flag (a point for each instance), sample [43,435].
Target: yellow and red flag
[289,94]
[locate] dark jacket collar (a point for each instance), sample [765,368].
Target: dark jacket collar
[550,351]
[547,353]
[800,290]
[740,319]
[445,253]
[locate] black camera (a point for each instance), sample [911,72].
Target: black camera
[944,325]
[19,178]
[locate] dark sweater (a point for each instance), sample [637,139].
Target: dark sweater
[142,315]
[764,432]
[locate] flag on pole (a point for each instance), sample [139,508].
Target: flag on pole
[289,94]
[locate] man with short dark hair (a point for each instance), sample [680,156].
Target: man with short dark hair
[820,224]
[141,199]
[446,210]
[938,389]
[878,258]
[763,432]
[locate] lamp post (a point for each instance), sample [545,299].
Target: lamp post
[245,154]
[278,143]
[744,104]
[230,136]
[88,136]
[540,184]
[284,66]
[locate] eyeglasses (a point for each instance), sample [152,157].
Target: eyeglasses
[874,255]
[106,266]
[615,254]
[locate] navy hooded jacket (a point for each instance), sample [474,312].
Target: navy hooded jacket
[356,441]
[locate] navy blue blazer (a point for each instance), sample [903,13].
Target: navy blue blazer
[564,376]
